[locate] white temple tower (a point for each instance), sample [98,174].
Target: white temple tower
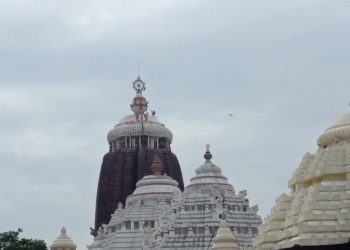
[316,213]
[207,200]
[63,242]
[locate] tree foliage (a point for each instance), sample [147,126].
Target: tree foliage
[11,241]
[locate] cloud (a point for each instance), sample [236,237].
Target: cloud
[281,69]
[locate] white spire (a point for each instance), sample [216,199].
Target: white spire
[224,239]
[63,242]
[208,167]
[208,172]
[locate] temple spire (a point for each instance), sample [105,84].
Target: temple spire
[224,238]
[139,104]
[63,242]
[157,165]
[207,155]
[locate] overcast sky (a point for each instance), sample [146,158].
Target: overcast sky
[66,67]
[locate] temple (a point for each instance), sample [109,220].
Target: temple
[207,200]
[159,216]
[132,143]
[316,213]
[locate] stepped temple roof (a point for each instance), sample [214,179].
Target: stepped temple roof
[316,213]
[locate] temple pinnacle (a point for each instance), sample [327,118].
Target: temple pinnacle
[157,165]
[139,85]
[207,155]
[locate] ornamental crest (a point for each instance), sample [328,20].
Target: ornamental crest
[139,85]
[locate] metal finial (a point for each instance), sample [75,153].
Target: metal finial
[207,155]
[139,85]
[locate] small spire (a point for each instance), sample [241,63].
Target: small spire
[120,205]
[224,238]
[207,155]
[63,230]
[157,165]
[63,241]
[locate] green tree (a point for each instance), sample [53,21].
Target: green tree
[11,241]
